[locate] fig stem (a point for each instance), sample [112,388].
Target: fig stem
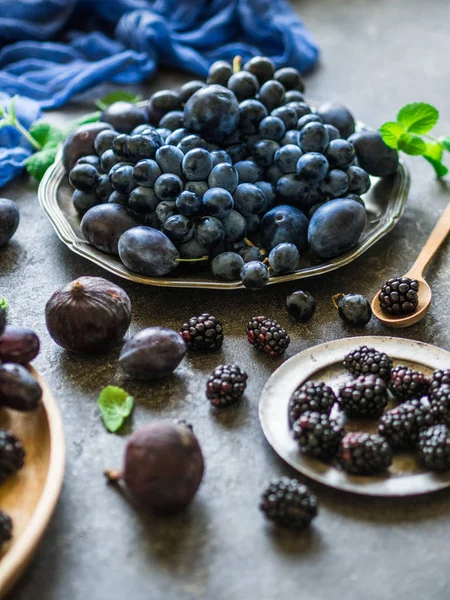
[77,287]
[237,64]
[335,298]
[112,475]
[202,258]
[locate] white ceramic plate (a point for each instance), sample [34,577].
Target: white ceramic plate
[406,476]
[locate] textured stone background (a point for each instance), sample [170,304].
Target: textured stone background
[376,56]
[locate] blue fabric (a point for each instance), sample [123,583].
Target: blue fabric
[124,41]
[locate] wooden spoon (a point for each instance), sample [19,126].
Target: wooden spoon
[433,243]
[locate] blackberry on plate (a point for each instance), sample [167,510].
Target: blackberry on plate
[364,361]
[226,385]
[365,397]
[289,503]
[407,383]
[6,528]
[434,448]
[12,454]
[399,295]
[439,378]
[203,333]
[267,335]
[441,396]
[402,425]
[364,453]
[312,396]
[318,434]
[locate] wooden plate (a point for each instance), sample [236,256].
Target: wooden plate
[30,496]
[406,476]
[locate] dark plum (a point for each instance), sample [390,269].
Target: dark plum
[227,266]
[147,251]
[251,113]
[103,225]
[284,224]
[340,154]
[9,220]
[212,112]
[179,229]
[287,157]
[301,306]
[336,227]
[284,258]
[169,159]
[168,186]
[209,232]
[162,102]
[217,202]
[146,172]
[123,116]
[18,345]
[290,78]
[84,177]
[244,85]
[373,155]
[255,275]
[143,200]
[248,199]
[271,94]
[88,315]
[19,390]
[152,353]
[261,67]
[339,116]
[219,73]
[358,180]
[81,143]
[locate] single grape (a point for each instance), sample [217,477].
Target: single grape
[118,198]
[188,89]
[217,202]
[162,102]
[179,229]
[251,113]
[287,157]
[312,167]
[244,85]
[168,186]
[251,253]
[272,128]
[269,194]
[165,210]
[287,114]
[248,171]
[104,188]
[290,78]
[271,94]
[301,108]
[108,159]
[284,258]
[141,146]
[143,200]
[172,120]
[290,189]
[197,164]
[264,152]
[198,187]
[209,232]
[358,180]
[176,136]
[333,132]
[82,202]
[164,133]
[189,204]
[261,67]
[190,142]
[290,137]
[212,112]
[294,96]
[219,73]
[84,177]
[340,153]
[224,176]
[123,116]
[121,178]
[301,306]
[313,137]
[227,266]
[335,184]
[309,118]
[146,172]
[220,156]
[255,275]
[248,199]
[104,140]
[235,227]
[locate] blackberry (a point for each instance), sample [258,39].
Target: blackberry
[289,503]
[402,425]
[12,454]
[441,396]
[203,333]
[364,361]
[364,453]
[439,378]
[225,385]
[312,396]
[364,397]
[318,435]
[6,528]
[407,384]
[434,448]
[399,295]
[268,336]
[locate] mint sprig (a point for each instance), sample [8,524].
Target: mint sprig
[115,406]
[407,133]
[117,96]
[3,303]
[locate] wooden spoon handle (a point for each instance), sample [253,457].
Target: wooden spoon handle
[436,238]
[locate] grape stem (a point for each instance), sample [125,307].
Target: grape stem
[335,299]
[202,258]
[237,64]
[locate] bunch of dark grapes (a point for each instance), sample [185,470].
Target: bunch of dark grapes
[204,168]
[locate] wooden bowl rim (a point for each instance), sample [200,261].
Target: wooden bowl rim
[17,557]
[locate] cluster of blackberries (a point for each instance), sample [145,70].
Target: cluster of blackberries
[201,169]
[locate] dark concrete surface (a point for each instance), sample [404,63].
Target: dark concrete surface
[375,57]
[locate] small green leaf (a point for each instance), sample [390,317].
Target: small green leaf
[39,162]
[115,405]
[45,133]
[440,169]
[445,141]
[418,117]
[117,96]
[3,303]
[391,132]
[2,111]
[12,109]
[434,150]
[412,144]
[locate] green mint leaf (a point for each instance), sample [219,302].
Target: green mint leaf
[39,162]
[412,144]
[418,117]
[115,405]
[44,133]
[440,169]
[2,111]
[391,133]
[434,150]
[12,109]
[92,117]
[117,96]
[445,141]
[3,303]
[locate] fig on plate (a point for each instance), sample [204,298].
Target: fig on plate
[152,353]
[163,466]
[88,315]
[18,345]
[18,388]
[81,143]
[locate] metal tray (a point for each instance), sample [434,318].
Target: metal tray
[385,203]
[406,476]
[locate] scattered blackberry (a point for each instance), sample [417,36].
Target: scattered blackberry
[226,384]
[268,336]
[438,379]
[318,434]
[203,333]
[6,528]
[434,448]
[399,295]
[407,384]
[364,397]
[289,503]
[312,396]
[12,454]
[364,454]
[364,361]
[401,425]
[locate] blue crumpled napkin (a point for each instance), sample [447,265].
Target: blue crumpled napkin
[128,39]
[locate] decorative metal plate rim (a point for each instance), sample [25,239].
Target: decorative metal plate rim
[278,389]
